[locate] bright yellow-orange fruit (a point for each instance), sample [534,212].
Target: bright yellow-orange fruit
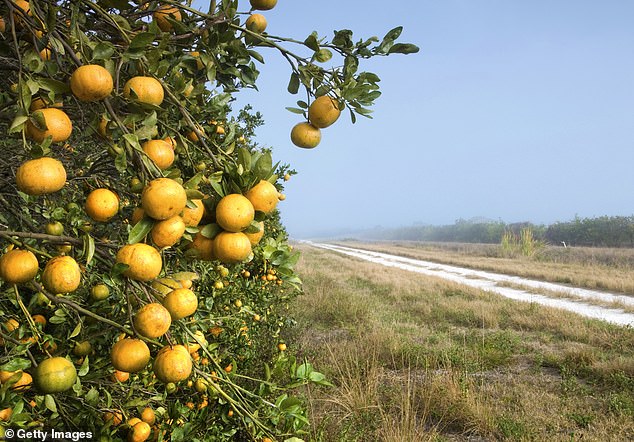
[256,23]
[54,375]
[40,176]
[140,432]
[305,135]
[254,238]
[137,215]
[114,417]
[144,261]
[23,383]
[18,266]
[5,413]
[152,320]
[231,248]
[121,376]
[39,103]
[163,198]
[58,126]
[172,364]
[130,355]
[234,212]
[102,204]
[168,232]
[323,112]
[180,303]
[203,247]
[148,415]
[165,11]
[263,5]
[147,89]
[192,217]
[91,82]
[45,54]
[159,151]
[263,196]
[61,275]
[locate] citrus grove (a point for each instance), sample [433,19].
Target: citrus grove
[144,271]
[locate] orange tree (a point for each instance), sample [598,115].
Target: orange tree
[144,269]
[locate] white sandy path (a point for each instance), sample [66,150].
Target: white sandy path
[488,281]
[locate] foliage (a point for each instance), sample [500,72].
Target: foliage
[242,383]
[524,244]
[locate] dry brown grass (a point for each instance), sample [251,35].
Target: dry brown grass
[415,358]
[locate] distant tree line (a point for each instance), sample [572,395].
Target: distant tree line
[604,231]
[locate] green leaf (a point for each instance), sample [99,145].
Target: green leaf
[89,248]
[295,110]
[18,123]
[210,231]
[49,402]
[141,40]
[140,230]
[263,166]
[16,364]
[393,34]
[76,331]
[293,84]
[244,158]
[403,48]
[103,51]
[311,42]
[58,87]
[85,367]
[256,55]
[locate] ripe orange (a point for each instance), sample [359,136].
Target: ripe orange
[192,217]
[114,417]
[231,248]
[163,198]
[199,340]
[58,126]
[121,376]
[45,54]
[147,89]
[323,112]
[264,196]
[165,285]
[159,151]
[254,238]
[23,383]
[203,247]
[137,215]
[263,5]
[305,135]
[40,176]
[130,355]
[18,266]
[172,364]
[281,346]
[144,261]
[102,204]
[99,292]
[234,212]
[40,103]
[256,23]
[162,13]
[168,232]
[148,415]
[61,275]
[102,128]
[54,375]
[193,137]
[180,303]
[91,82]
[5,414]
[140,432]
[152,320]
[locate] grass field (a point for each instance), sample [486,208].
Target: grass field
[414,358]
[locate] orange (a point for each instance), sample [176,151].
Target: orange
[148,415]
[54,375]
[163,198]
[45,54]
[305,135]
[54,228]
[18,266]
[144,261]
[83,348]
[172,364]
[40,176]
[102,204]
[140,432]
[99,292]
[203,247]
[121,376]
[263,5]
[159,151]
[193,137]
[231,248]
[161,15]
[165,285]
[254,238]
[147,89]
[264,196]
[6,414]
[61,275]
[137,215]
[192,217]
[199,340]
[91,82]
[40,103]
[130,355]
[168,232]
[39,319]
[199,63]
[234,212]
[323,112]
[58,126]
[180,303]
[152,320]
[132,422]
[102,127]
[256,23]
[23,383]
[114,417]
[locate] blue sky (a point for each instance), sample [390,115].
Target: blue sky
[519,111]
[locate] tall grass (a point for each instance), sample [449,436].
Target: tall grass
[524,244]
